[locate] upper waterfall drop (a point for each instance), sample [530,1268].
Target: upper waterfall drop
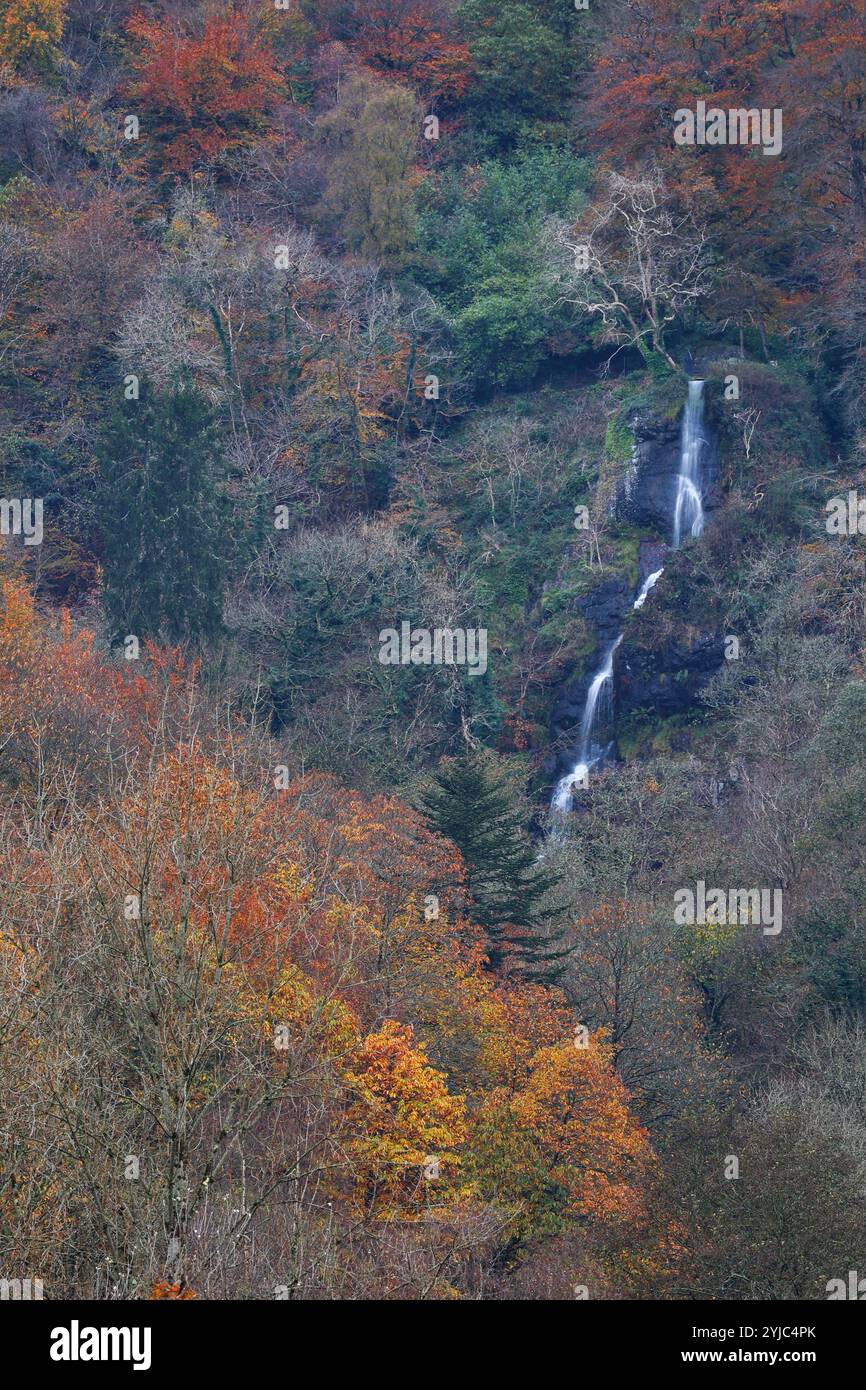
[689,506]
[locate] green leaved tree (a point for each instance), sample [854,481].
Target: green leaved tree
[525,56]
[370,142]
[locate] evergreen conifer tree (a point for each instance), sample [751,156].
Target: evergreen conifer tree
[167,540]
[470,804]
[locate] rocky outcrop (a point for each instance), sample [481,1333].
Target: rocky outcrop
[662,681]
[652,556]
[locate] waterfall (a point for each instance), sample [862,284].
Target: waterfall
[689,507]
[688,520]
[598,702]
[648,584]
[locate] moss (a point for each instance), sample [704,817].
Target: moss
[622,553]
[618,442]
[506,579]
[644,735]
[663,395]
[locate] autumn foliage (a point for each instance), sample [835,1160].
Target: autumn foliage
[291,971]
[411,40]
[320,319]
[30,31]
[205,93]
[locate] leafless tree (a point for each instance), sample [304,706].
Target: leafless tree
[635,260]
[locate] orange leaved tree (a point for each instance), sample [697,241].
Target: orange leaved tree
[407,1128]
[30,31]
[203,94]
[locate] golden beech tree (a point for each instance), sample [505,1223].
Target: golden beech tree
[407,1129]
[564,1142]
[577,1107]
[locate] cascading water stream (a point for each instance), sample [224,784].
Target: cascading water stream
[689,506]
[688,520]
[597,704]
[648,585]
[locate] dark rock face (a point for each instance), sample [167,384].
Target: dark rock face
[605,608]
[668,680]
[652,556]
[646,495]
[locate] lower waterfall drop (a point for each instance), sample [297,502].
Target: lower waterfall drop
[598,699]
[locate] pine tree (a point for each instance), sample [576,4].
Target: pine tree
[167,540]
[471,805]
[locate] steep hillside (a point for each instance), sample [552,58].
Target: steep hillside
[432,649]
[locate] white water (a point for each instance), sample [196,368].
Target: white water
[689,507]
[688,520]
[597,704]
[648,584]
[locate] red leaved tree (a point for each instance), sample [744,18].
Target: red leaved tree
[205,94]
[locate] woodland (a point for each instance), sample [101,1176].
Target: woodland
[323,317]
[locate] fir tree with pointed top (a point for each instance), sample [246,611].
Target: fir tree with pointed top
[470,804]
